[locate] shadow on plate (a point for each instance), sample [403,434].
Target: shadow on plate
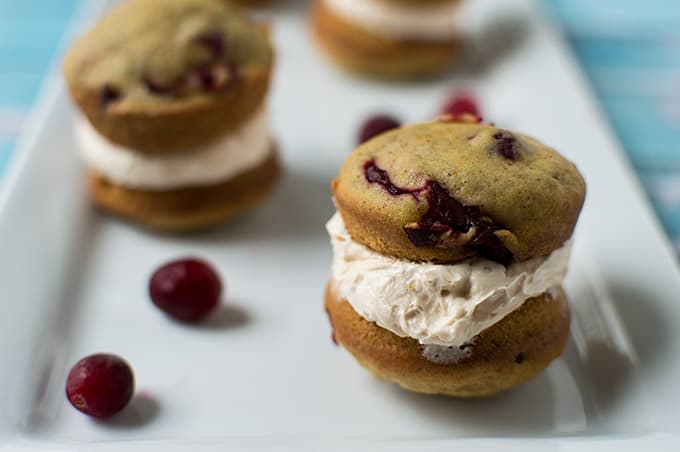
[497,41]
[603,376]
[595,385]
[297,211]
[644,323]
[605,355]
[226,317]
[141,411]
[483,49]
[527,409]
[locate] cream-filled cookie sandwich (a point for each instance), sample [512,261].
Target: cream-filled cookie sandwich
[388,38]
[450,245]
[174,128]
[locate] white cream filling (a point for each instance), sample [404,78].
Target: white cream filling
[445,305]
[396,20]
[239,151]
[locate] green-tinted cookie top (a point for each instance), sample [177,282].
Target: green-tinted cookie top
[445,190]
[148,52]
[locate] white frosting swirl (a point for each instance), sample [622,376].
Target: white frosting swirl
[239,151]
[437,304]
[398,20]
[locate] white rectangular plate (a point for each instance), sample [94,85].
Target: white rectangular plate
[263,373]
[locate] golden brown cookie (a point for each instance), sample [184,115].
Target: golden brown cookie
[170,75]
[192,208]
[509,353]
[447,190]
[363,51]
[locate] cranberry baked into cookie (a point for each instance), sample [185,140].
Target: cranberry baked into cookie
[388,38]
[175,125]
[450,245]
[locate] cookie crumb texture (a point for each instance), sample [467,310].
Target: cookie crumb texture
[164,75]
[445,191]
[509,353]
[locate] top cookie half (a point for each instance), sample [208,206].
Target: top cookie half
[168,75]
[445,191]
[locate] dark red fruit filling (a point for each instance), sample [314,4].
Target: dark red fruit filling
[445,210]
[109,94]
[446,215]
[212,76]
[377,125]
[488,245]
[376,175]
[186,289]
[214,41]
[157,87]
[461,103]
[506,145]
[215,77]
[445,218]
[100,385]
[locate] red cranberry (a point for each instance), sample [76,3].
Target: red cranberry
[156,87]
[100,385]
[186,289]
[376,125]
[460,103]
[215,77]
[445,216]
[109,94]
[506,145]
[213,40]
[376,175]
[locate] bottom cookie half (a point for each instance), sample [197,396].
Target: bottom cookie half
[509,353]
[362,51]
[188,209]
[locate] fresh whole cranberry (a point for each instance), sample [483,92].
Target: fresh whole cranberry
[100,385]
[461,103]
[186,289]
[377,124]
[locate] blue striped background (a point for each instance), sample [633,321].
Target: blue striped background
[629,49]
[29,35]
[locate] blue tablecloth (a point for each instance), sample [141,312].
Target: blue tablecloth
[30,33]
[629,49]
